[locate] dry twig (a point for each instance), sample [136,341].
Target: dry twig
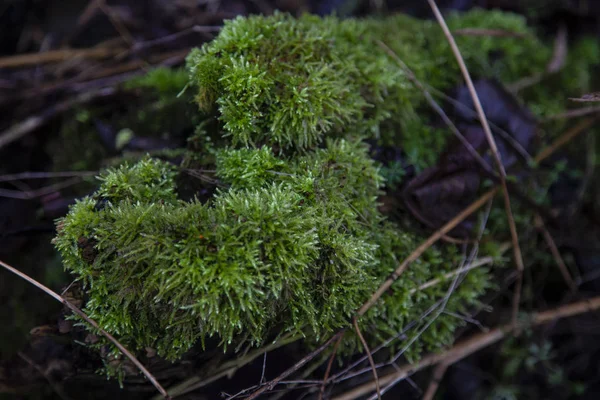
[577,112]
[487,32]
[270,385]
[57,389]
[565,138]
[436,378]
[32,194]
[45,175]
[474,344]
[539,224]
[476,205]
[56,56]
[21,129]
[93,323]
[369,355]
[328,370]
[556,63]
[497,158]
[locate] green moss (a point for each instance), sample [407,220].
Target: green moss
[298,247]
[290,82]
[292,239]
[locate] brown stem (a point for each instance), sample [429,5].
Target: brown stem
[90,321]
[474,344]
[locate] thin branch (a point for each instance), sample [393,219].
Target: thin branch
[32,123]
[565,138]
[556,63]
[90,321]
[574,113]
[55,56]
[438,374]
[32,194]
[45,175]
[369,355]
[270,385]
[539,224]
[57,389]
[491,142]
[264,367]
[477,204]
[487,32]
[474,344]
[476,264]
[116,22]
[328,370]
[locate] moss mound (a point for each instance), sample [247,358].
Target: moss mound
[292,241]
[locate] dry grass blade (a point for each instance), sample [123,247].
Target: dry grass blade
[539,224]
[436,107]
[474,344]
[497,158]
[21,129]
[369,355]
[57,389]
[32,194]
[56,56]
[557,62]
[90,321]
[487,32]
[587,98]
[270,385]
[45,175]
[438,374]
[565,138]
[475,264]
[437,235]
[328,370]
[578,112]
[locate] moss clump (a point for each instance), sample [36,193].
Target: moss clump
[292,241]
[290,82]
[298,249]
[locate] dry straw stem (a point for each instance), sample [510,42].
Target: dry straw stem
[227,369]
[476,205]
[45,175]
[328,370]
[270,385]
[475,264]
[539,224]
[577,112]
[56,56]
[438,374]
[57,388]
[487,32]
[32,123]
[492,143]
[369,355]
[436,107]
[474,344]
[565,138]
[90,321]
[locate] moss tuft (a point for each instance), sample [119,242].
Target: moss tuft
[292,241]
